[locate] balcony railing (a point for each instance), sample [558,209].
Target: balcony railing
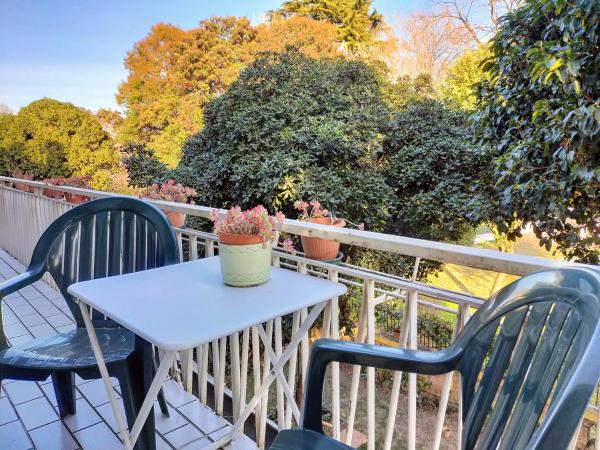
[232,365]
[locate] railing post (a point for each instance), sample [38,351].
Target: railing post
[412,377]
[370,295]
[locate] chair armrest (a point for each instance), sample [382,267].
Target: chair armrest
[19,282]
[325,351]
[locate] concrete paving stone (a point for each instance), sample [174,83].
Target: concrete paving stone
[20,340]
[98,437]
[161,444]
[32,320]
[15,330]
[9,319]
[36,413]
[95,392]
[66,328]
[48,310]
[215,436]
[184,435]
[175,395]
[203,417]
[7,413]
[22,391]
[109,417]
[24,310]
[14,437]
[85,417]
[16,301]
[59,320]
[53,436]
[166,424]
[42,330]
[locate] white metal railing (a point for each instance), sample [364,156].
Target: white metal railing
[24,216]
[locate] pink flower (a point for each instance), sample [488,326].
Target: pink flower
[361,226]
[279,217]
[288,246]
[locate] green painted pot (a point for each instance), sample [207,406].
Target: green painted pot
[245,265]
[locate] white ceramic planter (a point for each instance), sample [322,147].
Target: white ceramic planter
[245,265]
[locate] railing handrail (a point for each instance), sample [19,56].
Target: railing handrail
[478,258]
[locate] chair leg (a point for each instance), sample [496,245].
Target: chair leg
[64,388]
[128,393]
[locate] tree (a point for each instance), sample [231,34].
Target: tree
[143,168]
[172,74]
[110,121]
[292,127]
[431,166]
[479,18]
[540,121]
[430,44]
[458,84]
[49,138]
[354,19]
[314,38]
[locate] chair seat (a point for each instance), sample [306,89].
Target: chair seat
[70,350]
[305,440]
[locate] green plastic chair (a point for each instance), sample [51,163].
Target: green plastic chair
[529,361]
[97,239]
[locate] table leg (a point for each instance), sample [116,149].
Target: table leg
[150,389]
[275,372]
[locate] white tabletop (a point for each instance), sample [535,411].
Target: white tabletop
[184,305]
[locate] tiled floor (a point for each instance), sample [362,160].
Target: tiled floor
[28,413]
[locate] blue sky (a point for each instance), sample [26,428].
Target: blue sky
[73,50]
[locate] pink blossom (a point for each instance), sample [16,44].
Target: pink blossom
[288,246]
[361,226]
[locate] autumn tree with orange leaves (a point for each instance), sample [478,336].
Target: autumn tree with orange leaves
[174,73]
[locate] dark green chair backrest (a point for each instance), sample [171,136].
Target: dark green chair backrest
[531,352]
[102,238]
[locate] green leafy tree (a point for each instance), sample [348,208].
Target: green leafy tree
[540,124]
[292,127]
[49,138]
[354,19]
[459,84]
[431,166]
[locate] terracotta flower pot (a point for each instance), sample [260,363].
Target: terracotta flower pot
[245,260]
[322,249]
[23,187]
[75,198]
[177,219]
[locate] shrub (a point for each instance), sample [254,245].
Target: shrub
[143,168]
[49,138]
[540,123]
[292,127]
[432,165]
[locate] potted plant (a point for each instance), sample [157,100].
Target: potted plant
[171,192]
[317,248]
[22,176]
[245,241]
[53,193]
[80,182]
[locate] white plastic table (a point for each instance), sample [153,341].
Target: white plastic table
[182,306]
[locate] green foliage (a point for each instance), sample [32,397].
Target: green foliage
[50,139]
[541,115]
[434,331]
[353,18]
[142,166]
[291,128]
[432,165]
[462,77]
